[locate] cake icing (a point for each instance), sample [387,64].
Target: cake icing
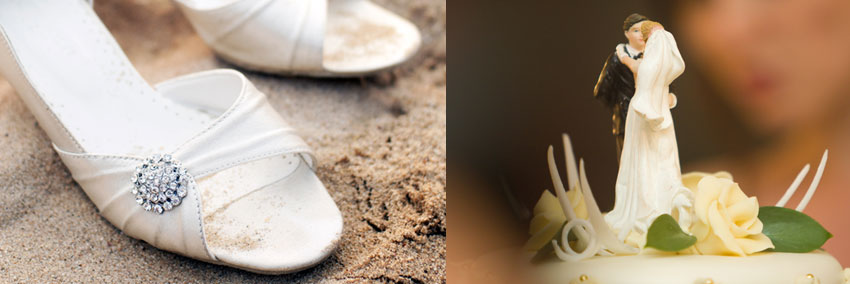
[797,268]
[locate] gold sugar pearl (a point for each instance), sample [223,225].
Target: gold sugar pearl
[810,276]
[583,278]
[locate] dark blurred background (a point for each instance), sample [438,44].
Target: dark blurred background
[526,75]
[525,72]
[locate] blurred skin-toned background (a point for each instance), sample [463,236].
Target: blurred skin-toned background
[765,92]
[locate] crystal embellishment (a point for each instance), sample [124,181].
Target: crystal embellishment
[160,183]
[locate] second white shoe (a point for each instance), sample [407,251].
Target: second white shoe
[306,37]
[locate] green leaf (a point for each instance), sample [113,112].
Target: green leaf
[665,234]
[792,231]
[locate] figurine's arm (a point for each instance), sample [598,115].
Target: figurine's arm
[628,60]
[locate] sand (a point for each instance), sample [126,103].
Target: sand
[381,143]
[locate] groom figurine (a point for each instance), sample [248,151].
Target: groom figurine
[616,84]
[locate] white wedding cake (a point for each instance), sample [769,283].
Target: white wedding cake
[731,239]
[669,227]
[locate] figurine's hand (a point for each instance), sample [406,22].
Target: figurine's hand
[672,100]
[621,54]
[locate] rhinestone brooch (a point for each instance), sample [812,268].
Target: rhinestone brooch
[160,183]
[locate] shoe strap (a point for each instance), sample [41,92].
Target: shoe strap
[272,32]
[248,129]
[213,23]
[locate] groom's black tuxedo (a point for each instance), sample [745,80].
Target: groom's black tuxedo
[615,88]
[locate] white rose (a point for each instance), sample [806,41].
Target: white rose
[726,219]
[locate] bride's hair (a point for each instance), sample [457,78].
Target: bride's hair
[646,28]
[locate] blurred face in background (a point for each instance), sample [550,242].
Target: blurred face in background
[783,64]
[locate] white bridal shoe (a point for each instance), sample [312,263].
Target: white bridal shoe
[202,165]
[308,37]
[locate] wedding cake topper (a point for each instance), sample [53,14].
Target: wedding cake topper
[655,205]
[649,181]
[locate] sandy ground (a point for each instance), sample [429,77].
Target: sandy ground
[381,143]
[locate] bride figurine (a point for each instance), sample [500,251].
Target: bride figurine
[649,180]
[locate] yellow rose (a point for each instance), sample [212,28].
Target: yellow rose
[549,215]
[726,219]
[691,179]
[577,201]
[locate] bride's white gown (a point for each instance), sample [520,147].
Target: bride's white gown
[649,180]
